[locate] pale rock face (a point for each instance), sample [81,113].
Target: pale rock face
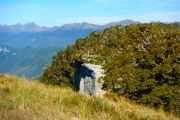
[86,79]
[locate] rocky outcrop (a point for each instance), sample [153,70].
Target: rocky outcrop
[87,79]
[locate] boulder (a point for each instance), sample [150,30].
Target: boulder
[87,79]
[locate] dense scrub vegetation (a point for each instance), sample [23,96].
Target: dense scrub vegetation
[141,62]
[21,99]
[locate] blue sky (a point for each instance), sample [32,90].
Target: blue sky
[59,12]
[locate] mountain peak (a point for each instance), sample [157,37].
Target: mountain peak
[30,24]
[18,24]
[83,25]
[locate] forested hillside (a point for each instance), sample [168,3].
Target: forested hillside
[141,62]
[27,62]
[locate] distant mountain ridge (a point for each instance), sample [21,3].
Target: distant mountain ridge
[31,34]
[86,25]
[28,27]
[83,25]
[33,27]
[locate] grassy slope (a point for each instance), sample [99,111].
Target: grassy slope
[24,100]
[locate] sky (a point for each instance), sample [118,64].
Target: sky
[58,12]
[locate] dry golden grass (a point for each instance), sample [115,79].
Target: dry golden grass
[21,99]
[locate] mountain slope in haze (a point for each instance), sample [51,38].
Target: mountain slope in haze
[58,38]
[141,62]
[27,62]
[7,52]
[31,34]
[31,100]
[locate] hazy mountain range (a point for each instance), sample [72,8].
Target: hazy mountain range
[31,34]
[32,27]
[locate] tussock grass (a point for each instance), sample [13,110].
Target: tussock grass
[21,99]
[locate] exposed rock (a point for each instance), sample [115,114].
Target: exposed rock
[86,79]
